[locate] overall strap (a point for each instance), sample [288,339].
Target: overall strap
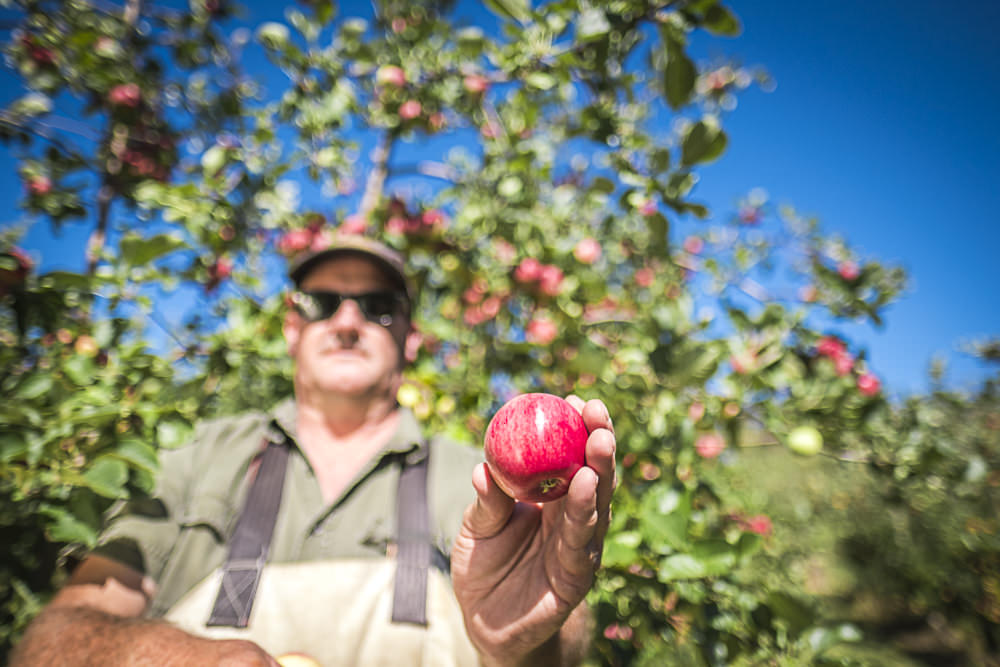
[251,539]
[414,552]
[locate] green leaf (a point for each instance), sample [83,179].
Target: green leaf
[797,615]
[173,432]
[748,545]
[272,35]
[620,549]
[12,446]
[106,476]
[664,515]
[33,386]
[593,24]
[703,142]
[722,22]
[68,528]
[94,415]
[695,364]
[138,453]
[709,558]
[680,566]
[32,104]
[679,77]
[540,80]
[519,10]
[139,251]
[80,370]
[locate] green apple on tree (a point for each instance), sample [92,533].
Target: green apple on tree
[805,440]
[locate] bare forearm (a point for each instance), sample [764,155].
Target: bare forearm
[81,635]
[73,636]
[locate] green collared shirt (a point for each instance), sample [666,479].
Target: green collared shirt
[180,535]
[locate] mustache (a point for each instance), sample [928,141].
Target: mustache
[336,343]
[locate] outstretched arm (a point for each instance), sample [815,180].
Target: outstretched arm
[96,619]
[521,570]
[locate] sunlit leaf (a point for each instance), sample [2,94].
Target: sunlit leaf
[106,476]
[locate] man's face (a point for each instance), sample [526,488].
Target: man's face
[347,354]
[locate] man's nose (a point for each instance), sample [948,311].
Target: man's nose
[348,315]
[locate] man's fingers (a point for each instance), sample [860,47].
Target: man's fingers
[491,510]
[576,402]
[595,415]
[578,527]
[601,458]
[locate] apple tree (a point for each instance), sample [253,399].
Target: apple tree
[540,171]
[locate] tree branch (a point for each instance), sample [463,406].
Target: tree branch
[106,193]
[375,184]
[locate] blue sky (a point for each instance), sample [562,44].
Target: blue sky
[882,125]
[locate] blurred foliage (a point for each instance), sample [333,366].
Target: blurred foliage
[552,224]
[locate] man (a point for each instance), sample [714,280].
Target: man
[269,533]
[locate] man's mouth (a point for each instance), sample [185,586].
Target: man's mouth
[343,352]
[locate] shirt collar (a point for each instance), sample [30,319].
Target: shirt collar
[407,439]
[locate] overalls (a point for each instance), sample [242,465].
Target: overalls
[399,610]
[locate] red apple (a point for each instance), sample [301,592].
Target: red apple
[410,109]
[541,330]
[869,384]
[218,271]
[40,185]
[587,251]
[475,84]
[125,95]
[550,280]
[749,215]
[645,276]
[694,245]
[14,268]
[355,223]
[849,270]
[390,75]
[831,346]
[528,271]
[534,445]
[709,445]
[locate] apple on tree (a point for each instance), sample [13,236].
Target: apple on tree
[805,440]
[14,268]
[534,446]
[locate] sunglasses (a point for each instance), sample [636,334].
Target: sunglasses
[379,307]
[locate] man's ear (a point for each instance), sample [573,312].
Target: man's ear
[411,346]
[292,330]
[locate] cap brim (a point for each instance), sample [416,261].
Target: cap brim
[381,255]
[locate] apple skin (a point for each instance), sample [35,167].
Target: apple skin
[534,445]
[805,440]
[297,660]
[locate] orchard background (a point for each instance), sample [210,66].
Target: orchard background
[774,507]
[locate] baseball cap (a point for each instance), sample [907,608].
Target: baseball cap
[354,244]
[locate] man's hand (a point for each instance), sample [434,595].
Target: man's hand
[521,569]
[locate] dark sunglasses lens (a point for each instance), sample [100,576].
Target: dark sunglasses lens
[378,305]
[328,303]
[316,306]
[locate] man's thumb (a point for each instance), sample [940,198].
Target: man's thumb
[492,508]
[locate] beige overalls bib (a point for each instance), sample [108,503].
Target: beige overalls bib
[339,612]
